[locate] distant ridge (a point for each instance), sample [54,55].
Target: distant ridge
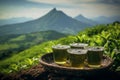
[14,20]
[53,20]
[106,20]
[85,20]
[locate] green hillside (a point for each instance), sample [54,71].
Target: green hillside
[15,43]
[100,35]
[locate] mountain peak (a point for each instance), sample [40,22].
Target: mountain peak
[80,16]
[55,13]
[85,20]
[53,10]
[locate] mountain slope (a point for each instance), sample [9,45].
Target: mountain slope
[85,20]
[54,20]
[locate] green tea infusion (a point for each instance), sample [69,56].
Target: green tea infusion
[77,57]
[94,56]
[60,54]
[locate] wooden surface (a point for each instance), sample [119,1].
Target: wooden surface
[38,73]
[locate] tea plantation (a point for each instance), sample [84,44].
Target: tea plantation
[107,36]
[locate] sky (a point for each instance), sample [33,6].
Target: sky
[37,8]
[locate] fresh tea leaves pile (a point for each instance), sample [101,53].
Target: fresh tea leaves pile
[107,36]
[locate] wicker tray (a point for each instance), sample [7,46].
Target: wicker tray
[47,62]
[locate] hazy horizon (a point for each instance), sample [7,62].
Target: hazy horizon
[37,8]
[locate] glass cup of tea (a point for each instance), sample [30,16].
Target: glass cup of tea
[94,56]
[78,45]
[77,57]
[60,54]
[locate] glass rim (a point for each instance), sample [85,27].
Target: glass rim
[79,44]
[77,51]
[95,48]
[60,47]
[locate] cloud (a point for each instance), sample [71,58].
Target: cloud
[62,1]
[76,1]
[37,8]
[102,9]
[24,12]
[79,3]
[51,1]
[112,2]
